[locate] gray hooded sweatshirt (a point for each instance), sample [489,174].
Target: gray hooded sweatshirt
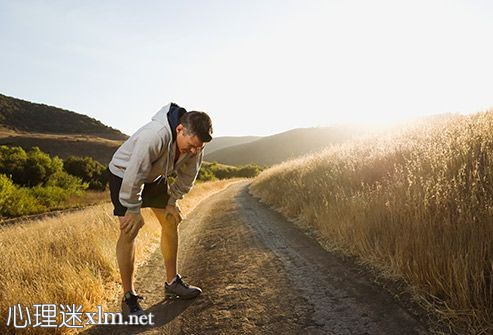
[149,154]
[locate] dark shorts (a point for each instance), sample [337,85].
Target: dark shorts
[154,194]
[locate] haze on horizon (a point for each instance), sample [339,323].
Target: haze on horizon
[256,67]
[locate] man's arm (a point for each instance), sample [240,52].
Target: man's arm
[146,150]
[185,178]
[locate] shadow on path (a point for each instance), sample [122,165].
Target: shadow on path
[163,313]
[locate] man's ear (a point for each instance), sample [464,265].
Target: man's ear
[179,128]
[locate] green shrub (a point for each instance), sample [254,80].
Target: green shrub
[49,186]
[87,169]
[39,167]
[12,162]
[50,196]
[7,189]
[206,174]
[16,201]
[28,168]
[248,171]
[71,184]
[24,203]
[220,171]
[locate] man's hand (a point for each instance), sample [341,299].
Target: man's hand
[174,211]
[131,223]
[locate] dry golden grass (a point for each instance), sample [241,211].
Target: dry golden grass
[71,259]
[88,198]
[417,205]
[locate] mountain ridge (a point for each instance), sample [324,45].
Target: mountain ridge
[274,149]
[56,131]
[25,116]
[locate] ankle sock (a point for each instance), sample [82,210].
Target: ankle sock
[172,281]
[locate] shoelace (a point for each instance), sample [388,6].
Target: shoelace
[181,281]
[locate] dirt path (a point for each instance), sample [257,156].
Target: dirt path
[262,275]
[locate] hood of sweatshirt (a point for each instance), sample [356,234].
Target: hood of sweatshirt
[170,113]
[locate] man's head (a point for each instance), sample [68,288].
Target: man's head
[193,132]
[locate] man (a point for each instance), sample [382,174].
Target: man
[171,143]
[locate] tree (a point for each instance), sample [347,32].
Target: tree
[28,168]
[87,169]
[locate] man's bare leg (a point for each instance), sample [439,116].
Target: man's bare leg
[169,247]
[125,254]
[169,242]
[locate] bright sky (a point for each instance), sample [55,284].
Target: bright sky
[258,67]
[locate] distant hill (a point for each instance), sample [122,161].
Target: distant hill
[56,131]
[228,141]
[21,115]
[277,148]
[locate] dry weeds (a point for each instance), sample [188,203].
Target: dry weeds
[71,259]
[416,205]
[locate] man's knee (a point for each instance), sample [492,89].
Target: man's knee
[127,236]
[166,219]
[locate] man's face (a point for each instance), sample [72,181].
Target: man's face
[187,143]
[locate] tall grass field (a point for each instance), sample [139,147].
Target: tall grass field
[416,205]
[71,259]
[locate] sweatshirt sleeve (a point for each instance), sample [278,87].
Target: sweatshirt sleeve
[185,177]
[146,150]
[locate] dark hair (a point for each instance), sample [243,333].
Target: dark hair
[198,124]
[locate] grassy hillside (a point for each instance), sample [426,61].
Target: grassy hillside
[228,141]
[417,206]
[25,116]
[274,149]
[55,131]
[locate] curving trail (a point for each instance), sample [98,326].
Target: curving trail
[262,275]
